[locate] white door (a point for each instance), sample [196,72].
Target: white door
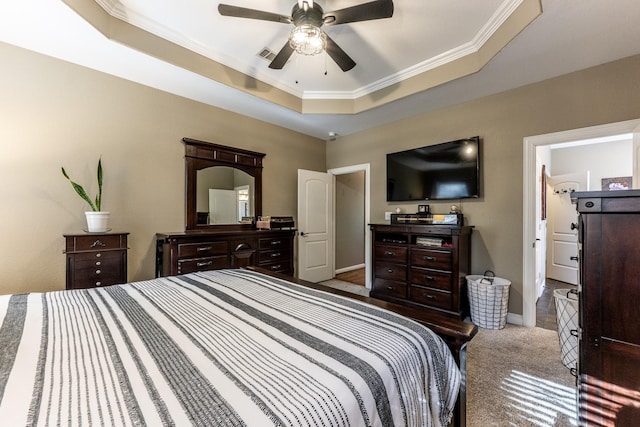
[541,228]
[315,225]
[562,232]
[222,206]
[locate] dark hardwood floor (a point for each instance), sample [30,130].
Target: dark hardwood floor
[353,276]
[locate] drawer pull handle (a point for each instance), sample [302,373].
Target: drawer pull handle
[98,271]
[204,264]
[98,243]
[389,253]
[276,267]
[429,278]
[276,243]
[389,270]
[98,263]
[275,255]
[98,255]
[429,258]
[389,288]
[204,248]
[98,283]
[427,296]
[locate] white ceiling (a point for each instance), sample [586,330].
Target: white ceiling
[567,36]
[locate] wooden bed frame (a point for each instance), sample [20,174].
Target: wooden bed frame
[454,332]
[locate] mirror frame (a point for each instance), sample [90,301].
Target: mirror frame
[201,155]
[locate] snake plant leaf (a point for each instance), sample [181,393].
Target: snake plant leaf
[99,195]
[79,189]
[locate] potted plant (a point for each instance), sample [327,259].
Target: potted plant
[97,220]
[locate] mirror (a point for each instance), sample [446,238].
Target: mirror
[223,186]
[224,196]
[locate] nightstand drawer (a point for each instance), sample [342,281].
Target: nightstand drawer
[430,278]
[91,277]
[103,260]
[95,242]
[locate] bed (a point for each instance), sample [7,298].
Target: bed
[221,348]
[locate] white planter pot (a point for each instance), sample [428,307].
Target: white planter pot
[97,222]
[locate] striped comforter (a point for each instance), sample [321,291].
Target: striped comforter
[219,348]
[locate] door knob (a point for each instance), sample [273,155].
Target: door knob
[574,226]
[302,234]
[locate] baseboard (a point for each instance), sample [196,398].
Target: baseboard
[350,268]
[515,319]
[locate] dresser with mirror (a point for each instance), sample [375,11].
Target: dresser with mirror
[223,201]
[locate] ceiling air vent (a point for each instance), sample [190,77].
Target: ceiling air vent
[267,54]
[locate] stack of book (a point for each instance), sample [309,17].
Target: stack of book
[429,241]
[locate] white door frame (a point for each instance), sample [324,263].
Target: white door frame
[529,194]
[367,217]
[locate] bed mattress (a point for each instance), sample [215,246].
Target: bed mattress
[218,348]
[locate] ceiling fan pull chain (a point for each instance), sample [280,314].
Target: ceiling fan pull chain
[325,63]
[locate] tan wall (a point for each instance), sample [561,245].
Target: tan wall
[603,94]
[55,114]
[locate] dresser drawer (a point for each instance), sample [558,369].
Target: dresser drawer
[432,297]
[95,242]
[391,253]
[109,259]
[269,243]
[430,278]
[282,266]
[391,271]
[439,260]
[191,265]
[202,249]
[389,288]
[271,256]
[90,277]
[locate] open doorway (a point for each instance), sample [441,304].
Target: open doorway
[351,219]
[531,192]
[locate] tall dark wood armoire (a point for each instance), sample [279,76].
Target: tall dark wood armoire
[609,353]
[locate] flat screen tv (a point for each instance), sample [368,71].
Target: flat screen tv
[450,170]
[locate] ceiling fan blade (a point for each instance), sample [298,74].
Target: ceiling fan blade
[282,57]
[243,12]
[341,58]
[364,12]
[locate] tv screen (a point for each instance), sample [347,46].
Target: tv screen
[436,172]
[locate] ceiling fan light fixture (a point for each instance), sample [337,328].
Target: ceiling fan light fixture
[308,39]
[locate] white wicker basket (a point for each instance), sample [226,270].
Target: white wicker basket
[567,317]
[489,300]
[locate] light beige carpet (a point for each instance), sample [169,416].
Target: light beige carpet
[515,378]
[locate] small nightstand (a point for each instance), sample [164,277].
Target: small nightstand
[96,259]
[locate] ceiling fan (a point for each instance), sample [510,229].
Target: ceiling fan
[307,37]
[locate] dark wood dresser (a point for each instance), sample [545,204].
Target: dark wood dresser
[186,252]
[428,277]
[609,339]
[96,259]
